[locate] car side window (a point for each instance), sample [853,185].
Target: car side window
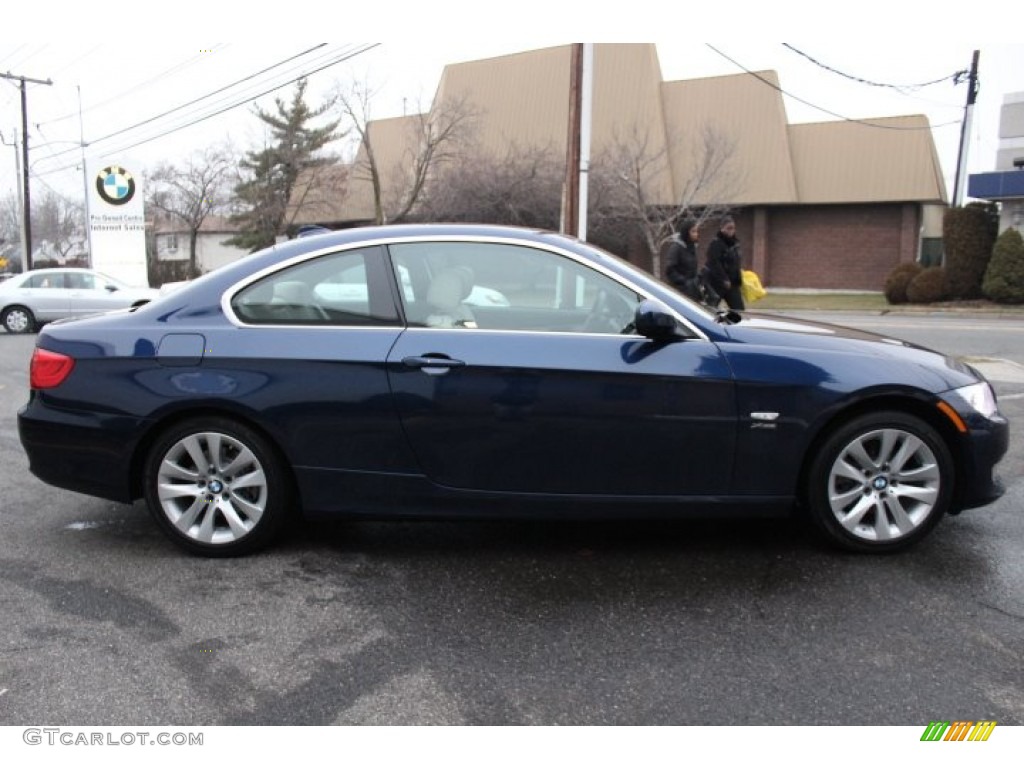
[348,289]
[81,280]
[508,287]
[47,280]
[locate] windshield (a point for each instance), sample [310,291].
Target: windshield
[646,281]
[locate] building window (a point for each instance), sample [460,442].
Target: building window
[931,252]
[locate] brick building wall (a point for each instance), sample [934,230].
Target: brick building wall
[849,246]
[852,247]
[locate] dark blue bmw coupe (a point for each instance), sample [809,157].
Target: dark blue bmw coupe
[490,371]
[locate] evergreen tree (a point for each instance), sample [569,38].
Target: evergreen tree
[270,173]
[967,238]
[1004,279]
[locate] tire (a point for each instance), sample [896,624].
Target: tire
[880,482]
[18,319]
[197,496]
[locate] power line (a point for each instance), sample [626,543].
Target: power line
[300,68]
[12,53]
[348,53]
[867,123]
[61,195]
[20,62]
[245,100]
[156,78]
[957,77]
[194,101]
[77,59]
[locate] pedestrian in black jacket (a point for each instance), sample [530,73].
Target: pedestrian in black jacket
[725,264]
[681,261]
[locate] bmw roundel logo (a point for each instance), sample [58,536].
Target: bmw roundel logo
[115,185]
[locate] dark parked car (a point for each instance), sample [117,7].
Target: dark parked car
[251,395]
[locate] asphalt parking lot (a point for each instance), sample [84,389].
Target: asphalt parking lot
[739,623]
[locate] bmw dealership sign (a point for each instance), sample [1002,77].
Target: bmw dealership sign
[117,224]
[115,185]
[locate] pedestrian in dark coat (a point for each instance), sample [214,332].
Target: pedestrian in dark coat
[681,261]
[724,264]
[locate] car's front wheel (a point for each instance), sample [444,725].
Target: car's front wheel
[18,319]
[216,487]
[880,482]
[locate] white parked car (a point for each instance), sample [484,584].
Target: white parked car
[40,295]
[351,286]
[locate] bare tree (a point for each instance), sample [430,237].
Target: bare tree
[398,169]
[523,188]
[191,191]
[10,229]
[627,176]
[58,225]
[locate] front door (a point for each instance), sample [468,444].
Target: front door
[545,389]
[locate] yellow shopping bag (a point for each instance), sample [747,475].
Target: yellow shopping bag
[751,287]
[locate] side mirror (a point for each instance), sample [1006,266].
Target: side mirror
[111,288]
[654,321]
[730,316]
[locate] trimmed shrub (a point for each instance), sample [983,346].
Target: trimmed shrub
[1004,278]
[928,286]
[898,280]
[967,238]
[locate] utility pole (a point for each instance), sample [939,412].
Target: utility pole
[570,198]
[965,133]
[27,205]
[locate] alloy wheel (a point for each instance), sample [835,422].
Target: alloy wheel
[884,484]
[212,488]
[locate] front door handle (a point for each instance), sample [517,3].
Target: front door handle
[433,365]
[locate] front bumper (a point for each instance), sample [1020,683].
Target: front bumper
[985,444]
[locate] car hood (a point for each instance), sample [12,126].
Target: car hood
[935,370]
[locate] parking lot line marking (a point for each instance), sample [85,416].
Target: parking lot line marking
[3,692]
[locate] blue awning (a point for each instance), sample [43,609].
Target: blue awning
[1000,185]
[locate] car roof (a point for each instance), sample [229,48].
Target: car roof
[390,231]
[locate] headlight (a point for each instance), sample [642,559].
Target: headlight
[980,397]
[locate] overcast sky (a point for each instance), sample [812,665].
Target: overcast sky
[162,82]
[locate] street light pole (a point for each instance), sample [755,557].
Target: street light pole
[17,172]
[85,177]
[586,99]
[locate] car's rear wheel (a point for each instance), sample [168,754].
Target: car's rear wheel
[216,487]
[880,482]
[18,319]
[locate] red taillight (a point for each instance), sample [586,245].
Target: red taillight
[49,369]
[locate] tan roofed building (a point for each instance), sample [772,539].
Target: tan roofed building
[824,205]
